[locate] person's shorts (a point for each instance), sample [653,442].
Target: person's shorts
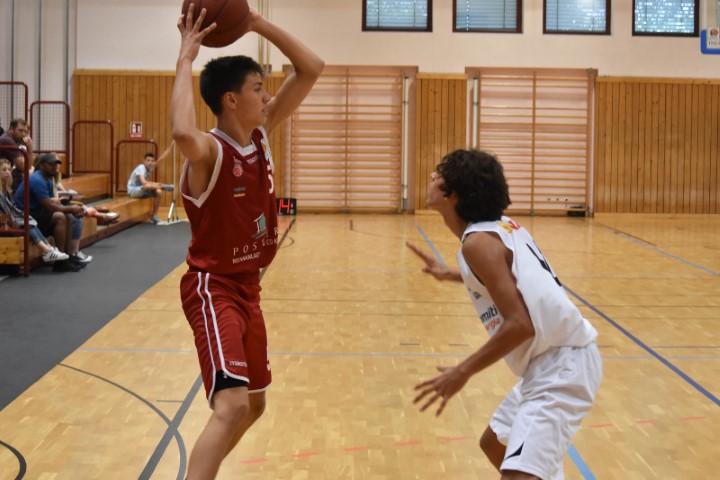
[138,192]
[542,413]
[44,220]
[224,314]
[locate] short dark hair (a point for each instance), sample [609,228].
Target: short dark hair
[149,154]
[477,178]
[225,74]
[17,121]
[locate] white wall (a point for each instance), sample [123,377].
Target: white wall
[142,34]
[333,29]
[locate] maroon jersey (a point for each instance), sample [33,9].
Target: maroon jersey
[234,222]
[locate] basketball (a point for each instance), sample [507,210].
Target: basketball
[229,16]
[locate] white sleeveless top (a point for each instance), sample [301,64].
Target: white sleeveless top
[557,321]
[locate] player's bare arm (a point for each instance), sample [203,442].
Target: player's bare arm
[197,146]
[433,266]
[307,65]
[490,261]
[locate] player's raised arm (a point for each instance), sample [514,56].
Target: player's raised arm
[307,65]
[196,145]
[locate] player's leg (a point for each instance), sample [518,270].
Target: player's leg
[495,437]
[558,390]
[259,372]
[492,448]
[231,407]
[257,407]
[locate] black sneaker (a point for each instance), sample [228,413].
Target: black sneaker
[66,266]
[76,263]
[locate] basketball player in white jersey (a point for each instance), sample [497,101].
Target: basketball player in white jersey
[532,323]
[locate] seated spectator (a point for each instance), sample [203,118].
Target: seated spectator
[66,197]
[17,135]
[140,186]
[50,253]
[54,218]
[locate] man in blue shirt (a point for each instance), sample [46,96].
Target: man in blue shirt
[52,217]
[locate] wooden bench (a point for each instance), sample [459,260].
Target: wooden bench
[93,186]
[132,211]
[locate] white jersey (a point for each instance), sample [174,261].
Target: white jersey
[557,322]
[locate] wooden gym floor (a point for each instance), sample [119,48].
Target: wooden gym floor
[353,325]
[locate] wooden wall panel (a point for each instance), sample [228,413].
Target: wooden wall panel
[657,145]
[441,125]
[122,97]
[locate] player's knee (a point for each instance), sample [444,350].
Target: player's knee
[256,410]
[231,409]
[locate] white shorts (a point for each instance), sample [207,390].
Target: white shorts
[542,413]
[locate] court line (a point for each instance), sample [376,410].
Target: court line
[393,354]
[174,433]
[652,352]
[177,420]
[574,455]
[22,467]
[645,244]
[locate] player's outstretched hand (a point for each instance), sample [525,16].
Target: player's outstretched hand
[192,35]
[450,381]
[433,266]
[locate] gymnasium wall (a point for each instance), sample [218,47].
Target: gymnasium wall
[657,148]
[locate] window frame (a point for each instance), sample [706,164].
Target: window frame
[518,26]
[428,28]
[696,31]
[608,22]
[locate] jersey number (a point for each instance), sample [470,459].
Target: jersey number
[544,263]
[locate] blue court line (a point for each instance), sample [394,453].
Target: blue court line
[580,464]
[652,352]
[574,455]
[659,250]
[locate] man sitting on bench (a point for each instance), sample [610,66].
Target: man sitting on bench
[53,218]
[140,186]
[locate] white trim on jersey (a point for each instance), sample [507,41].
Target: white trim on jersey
[207,336]
[259,390]
[198,202]
[217,337]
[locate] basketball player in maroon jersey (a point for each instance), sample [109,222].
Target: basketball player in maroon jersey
[228,194]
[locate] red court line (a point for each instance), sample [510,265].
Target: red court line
[356,449]
[305,454]
[647,421]
[601,425]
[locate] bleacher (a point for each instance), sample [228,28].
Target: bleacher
[94,187]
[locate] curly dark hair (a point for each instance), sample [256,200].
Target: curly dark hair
[225,74]
[478,180]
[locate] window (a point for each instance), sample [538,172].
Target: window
[487,16]
[666,17]
[397,15]
[577,16]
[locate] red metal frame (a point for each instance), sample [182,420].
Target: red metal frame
[26,211]
[25,88]
[67,126]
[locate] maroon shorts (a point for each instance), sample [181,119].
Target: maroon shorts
[224,314]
